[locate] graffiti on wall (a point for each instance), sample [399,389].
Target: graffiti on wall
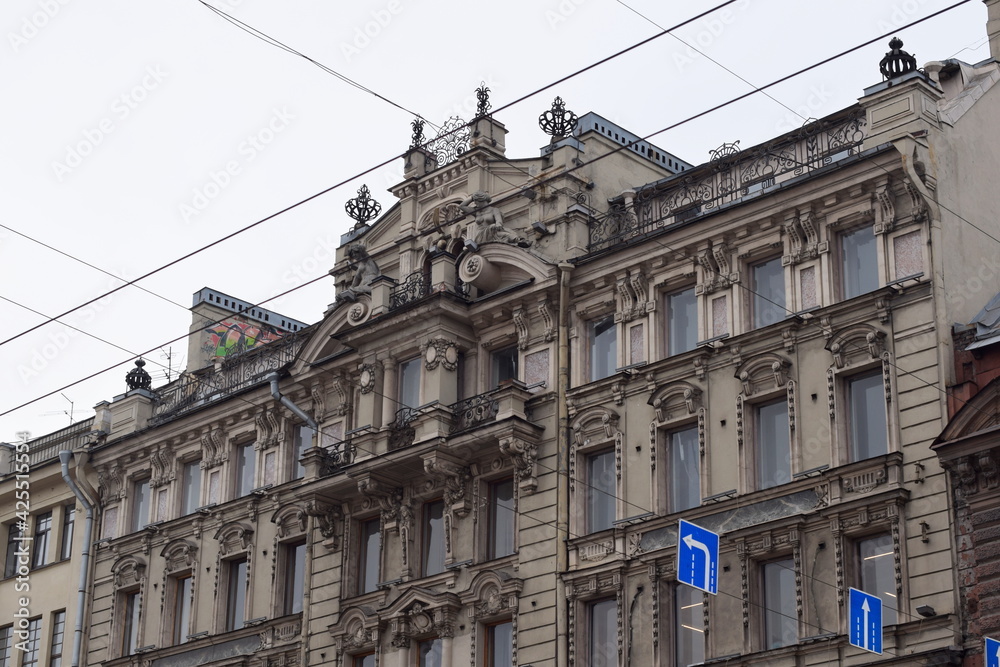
[233,336]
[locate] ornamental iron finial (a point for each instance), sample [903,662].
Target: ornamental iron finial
[363,208]
[724,151]
[483,95]
[451,141]
[138,378]
[418,133]
[557,121]
[897,61]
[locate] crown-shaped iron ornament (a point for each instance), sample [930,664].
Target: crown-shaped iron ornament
[897,61]
[363,208]
[418,133]
[138,378]
[557,121]
[483,105]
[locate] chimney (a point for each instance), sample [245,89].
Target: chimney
[993,27]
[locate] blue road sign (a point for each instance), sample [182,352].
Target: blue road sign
[698,557]
[864,621]
[992,653]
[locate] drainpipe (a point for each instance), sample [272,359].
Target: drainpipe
[562,477]
[88,528]
[287,402]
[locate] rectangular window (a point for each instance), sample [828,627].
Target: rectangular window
[190,487]
[781,625]
[859,262]
[689,621]
[503,365]
[433,537]
[499,640]
[246,461]
[6,645]
[500,540]
[140,505]
[303,440]
[58,633]
[43,533]
[295,572]
[409,384]
[368,556]
[866,402]
[33,644]
[602,647]
[682,321]
[684,484]
[768,285]
[429,653]
[774,454]
[236,594]
[364,660]
[130,626]
[603,348]
[182,609]
[13,542]
[601,490]
[878,573]
[66,543]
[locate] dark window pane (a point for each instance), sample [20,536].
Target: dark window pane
[6,645]
[682,321]
[878,573]
[33,643]
[433,537]
[130,630]
[66,545]
[601,489]
[866,399]
[140,505]
[780,617]
[182,609]
[690,620]
[303,441]
[236,595]
[504,365]
[768,293]
[364,660]
[499,641]
[774,456]
[58,634]
[295,572]
[190,487]
[10,564]
[429,653]
[603,634]
[409,384]
[371,540]
[603,348]
[859,257]
[245,464]
[685,482]
[43,531]
[501,527]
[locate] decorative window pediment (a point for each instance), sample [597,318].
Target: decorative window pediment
[492,593]
[763,373]
[677,400]
[419,613]
[233,538]
[356,632]
[856,345]
[128,572]
[178,555]
[290,520]
[595,424]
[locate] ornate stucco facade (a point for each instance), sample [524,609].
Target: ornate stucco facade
[534,367]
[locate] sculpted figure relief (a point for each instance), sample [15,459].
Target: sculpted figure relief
[365,271]
[488,225]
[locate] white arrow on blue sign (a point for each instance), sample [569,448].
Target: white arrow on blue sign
[992,653]
[698,557]
[864,621]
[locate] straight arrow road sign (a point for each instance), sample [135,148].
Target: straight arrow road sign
[865,621]
[992,653]
[698,557]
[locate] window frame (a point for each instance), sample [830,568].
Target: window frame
[41,540]
[677,621]
[668,328]
[131,602]
[184,493]
[66,535]
[492,514]
[859,574]
[235,584]
[140,504]
[404,400]
[180,602]
[842,286]
[7,645]
[32,656]
[58,630]
[363,553]
[428,538]
[245,460]
[300,445]
[590,490]
[513,357]
[763,590]
[608,320]
[669,479]
[293,573]
[490,642]
[761,304]
[758,481]
[591,639]
[13,541]
[431,641]
[850,432]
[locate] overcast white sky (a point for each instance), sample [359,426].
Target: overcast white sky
[118,113]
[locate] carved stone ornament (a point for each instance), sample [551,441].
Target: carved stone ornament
[213,447]
[365,271]
[330,518]
[440,351]
[523,456]
[367,379]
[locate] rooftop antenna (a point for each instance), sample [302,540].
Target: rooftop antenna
[68,413]
[168,354]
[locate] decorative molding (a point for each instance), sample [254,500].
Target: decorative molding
[547,321]
[523,456]
[161,460]
[330,518]
[440,351]
[369,373]
[520,318]
[213,447]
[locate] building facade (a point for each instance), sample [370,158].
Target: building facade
[481,453]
